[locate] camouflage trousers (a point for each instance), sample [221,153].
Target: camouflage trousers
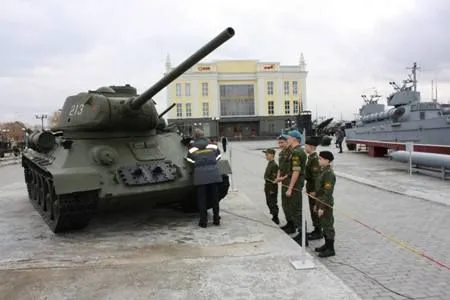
[272,202]
[292,207]
[327,223]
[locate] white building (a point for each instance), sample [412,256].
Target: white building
[238,97]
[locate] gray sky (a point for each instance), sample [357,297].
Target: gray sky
[51,49]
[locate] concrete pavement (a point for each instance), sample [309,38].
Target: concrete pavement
[366,261]
[160,254]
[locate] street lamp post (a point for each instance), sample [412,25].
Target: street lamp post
[25,137]
[42,117]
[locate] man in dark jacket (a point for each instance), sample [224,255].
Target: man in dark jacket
[204,156]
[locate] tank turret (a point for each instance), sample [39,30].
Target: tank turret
[119,107]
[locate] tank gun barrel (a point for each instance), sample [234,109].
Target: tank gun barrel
[183,67]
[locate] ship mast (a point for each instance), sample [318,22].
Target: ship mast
[414,74]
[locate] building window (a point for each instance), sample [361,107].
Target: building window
[295,87]
[269,87]
[179,110]
[187,89]
[178,89]
[270,108]
[271,127]
[205,109]
[287,108]
[286,87]
[204,89]
[188,110]
[237,100]
[296,107]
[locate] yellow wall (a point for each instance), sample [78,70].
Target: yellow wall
[237,66]
[201,99]
[241,66]
[279,97]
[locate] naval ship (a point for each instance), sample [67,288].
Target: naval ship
[425,124]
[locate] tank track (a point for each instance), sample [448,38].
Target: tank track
[60,212]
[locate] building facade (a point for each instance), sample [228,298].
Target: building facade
[237,98]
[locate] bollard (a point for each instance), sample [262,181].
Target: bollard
[306,261]
[230,151]
[410,148]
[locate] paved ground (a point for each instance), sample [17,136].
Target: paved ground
[421,220]
[152,255]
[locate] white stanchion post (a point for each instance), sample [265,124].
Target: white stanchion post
[410,148]
[230,151]
[306,262]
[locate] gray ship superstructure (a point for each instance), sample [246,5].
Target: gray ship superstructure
[410,120]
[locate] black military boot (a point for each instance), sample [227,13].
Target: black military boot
[216,220]
[203,224]
[276,220]
[316,234]
[298,239]
[323,247]
[329,250]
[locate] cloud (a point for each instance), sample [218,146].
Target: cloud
[53,49]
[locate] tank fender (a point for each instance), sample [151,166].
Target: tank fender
[76,180]
[224,166]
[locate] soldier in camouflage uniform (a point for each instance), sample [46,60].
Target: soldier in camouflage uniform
[270,185]
[283,170]
[324,205]
[296,179]
[312,171]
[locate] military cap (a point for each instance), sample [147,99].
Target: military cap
[313,141]
[269,150]
[327,155]
[295,134]
[283,137]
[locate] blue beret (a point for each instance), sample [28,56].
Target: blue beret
[283,137]
[295,134]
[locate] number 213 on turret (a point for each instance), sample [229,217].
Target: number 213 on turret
[76,110]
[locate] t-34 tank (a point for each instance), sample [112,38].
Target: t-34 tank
[112,147]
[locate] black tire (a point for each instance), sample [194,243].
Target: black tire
[191,206]
[351,147]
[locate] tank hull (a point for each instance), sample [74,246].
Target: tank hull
[71,182]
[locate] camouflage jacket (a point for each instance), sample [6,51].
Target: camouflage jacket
[325,187]
[312,172]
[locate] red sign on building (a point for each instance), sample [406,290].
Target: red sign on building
[204,68]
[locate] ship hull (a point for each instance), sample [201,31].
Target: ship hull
[428,148]
[432,132]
